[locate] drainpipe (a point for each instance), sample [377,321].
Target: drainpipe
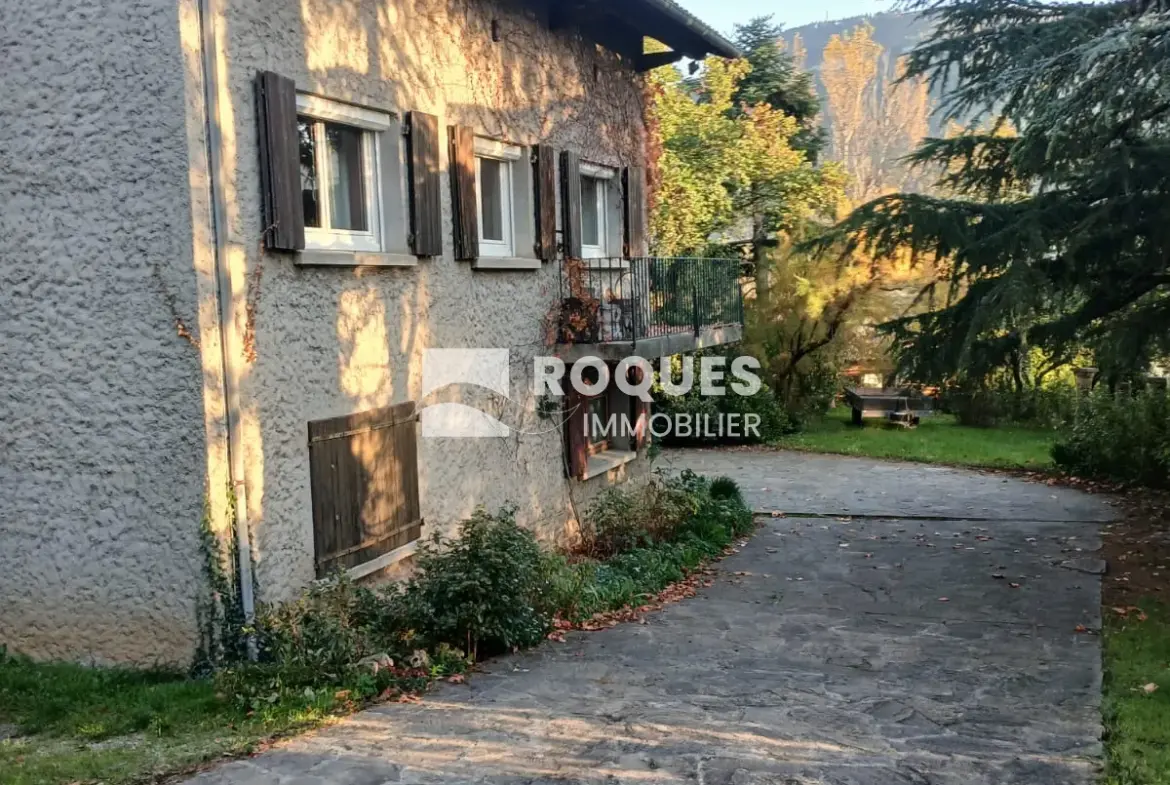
[231,392]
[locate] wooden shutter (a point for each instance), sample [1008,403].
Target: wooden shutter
[363,470]
[545,179]
[576,413]
[426,208]
[463,193]
[640,410]
[571,202]
[280,171]
[634,183]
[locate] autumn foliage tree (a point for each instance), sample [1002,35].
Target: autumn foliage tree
[723,163]
[875,117]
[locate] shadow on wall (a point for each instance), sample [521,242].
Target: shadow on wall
[432,55]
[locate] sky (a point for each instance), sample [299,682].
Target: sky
[723,15]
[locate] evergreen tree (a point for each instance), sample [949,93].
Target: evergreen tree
[776,80]
[1056,237]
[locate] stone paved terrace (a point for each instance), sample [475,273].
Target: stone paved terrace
[823,653]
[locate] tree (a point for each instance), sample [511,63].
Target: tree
[1058,236]
[722,163]
[873,120]
[777,79]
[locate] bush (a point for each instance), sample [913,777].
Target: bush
[480,589]
[489,590]
[1119,437]
[333,625]
[774,421]
[621,519]
[988,406]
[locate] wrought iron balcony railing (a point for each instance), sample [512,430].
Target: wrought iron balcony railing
[620,300]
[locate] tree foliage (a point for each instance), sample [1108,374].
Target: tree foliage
[777,79]
[1055,237]
[874,119]
[722,161]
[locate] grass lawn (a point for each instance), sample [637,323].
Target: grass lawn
[939,439]
[1137,719]
[113,726]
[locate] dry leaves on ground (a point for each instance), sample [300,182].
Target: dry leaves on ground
[681,590]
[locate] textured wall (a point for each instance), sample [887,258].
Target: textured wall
[109,347]
[333,341]
[102,450]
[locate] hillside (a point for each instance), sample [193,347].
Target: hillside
[896,32]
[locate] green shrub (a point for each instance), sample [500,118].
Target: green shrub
[987,406]
[480,589]
[679,522]
[1119,437]
[774,421]
[330,627]
[490,589]
[725,488]
[621,519]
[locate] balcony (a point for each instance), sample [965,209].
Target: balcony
[648,306]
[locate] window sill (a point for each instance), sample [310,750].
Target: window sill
[355,259]
[506,263]
[383,561]
[605,462]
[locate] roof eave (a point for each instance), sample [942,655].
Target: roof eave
[714,42]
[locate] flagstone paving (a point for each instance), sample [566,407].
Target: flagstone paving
[925,631]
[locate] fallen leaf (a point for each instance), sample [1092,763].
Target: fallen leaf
[777,514]
[1150,688]
[1014,585]
[944,599]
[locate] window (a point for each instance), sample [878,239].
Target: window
[592,217]
[594,444]
[363,475]
[598,413]
[495,190]
[596,182]
[340,162]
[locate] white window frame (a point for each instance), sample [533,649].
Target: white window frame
[507,155]
[605,177]
[371,123]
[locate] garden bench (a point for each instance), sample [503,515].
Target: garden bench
[900,407]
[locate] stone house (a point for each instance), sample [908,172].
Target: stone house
[231,231]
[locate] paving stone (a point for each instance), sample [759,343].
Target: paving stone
[823,653]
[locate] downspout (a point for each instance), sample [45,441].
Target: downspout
[231,392]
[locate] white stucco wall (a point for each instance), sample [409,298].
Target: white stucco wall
[330,341]
[112,403]
[103,455]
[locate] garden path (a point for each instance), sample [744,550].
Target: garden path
[930,625]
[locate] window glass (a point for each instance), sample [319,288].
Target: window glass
[310,196]
[491,219]
[598,414]
[590,215]
[347,199]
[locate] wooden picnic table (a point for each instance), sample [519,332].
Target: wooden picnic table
[903,407]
